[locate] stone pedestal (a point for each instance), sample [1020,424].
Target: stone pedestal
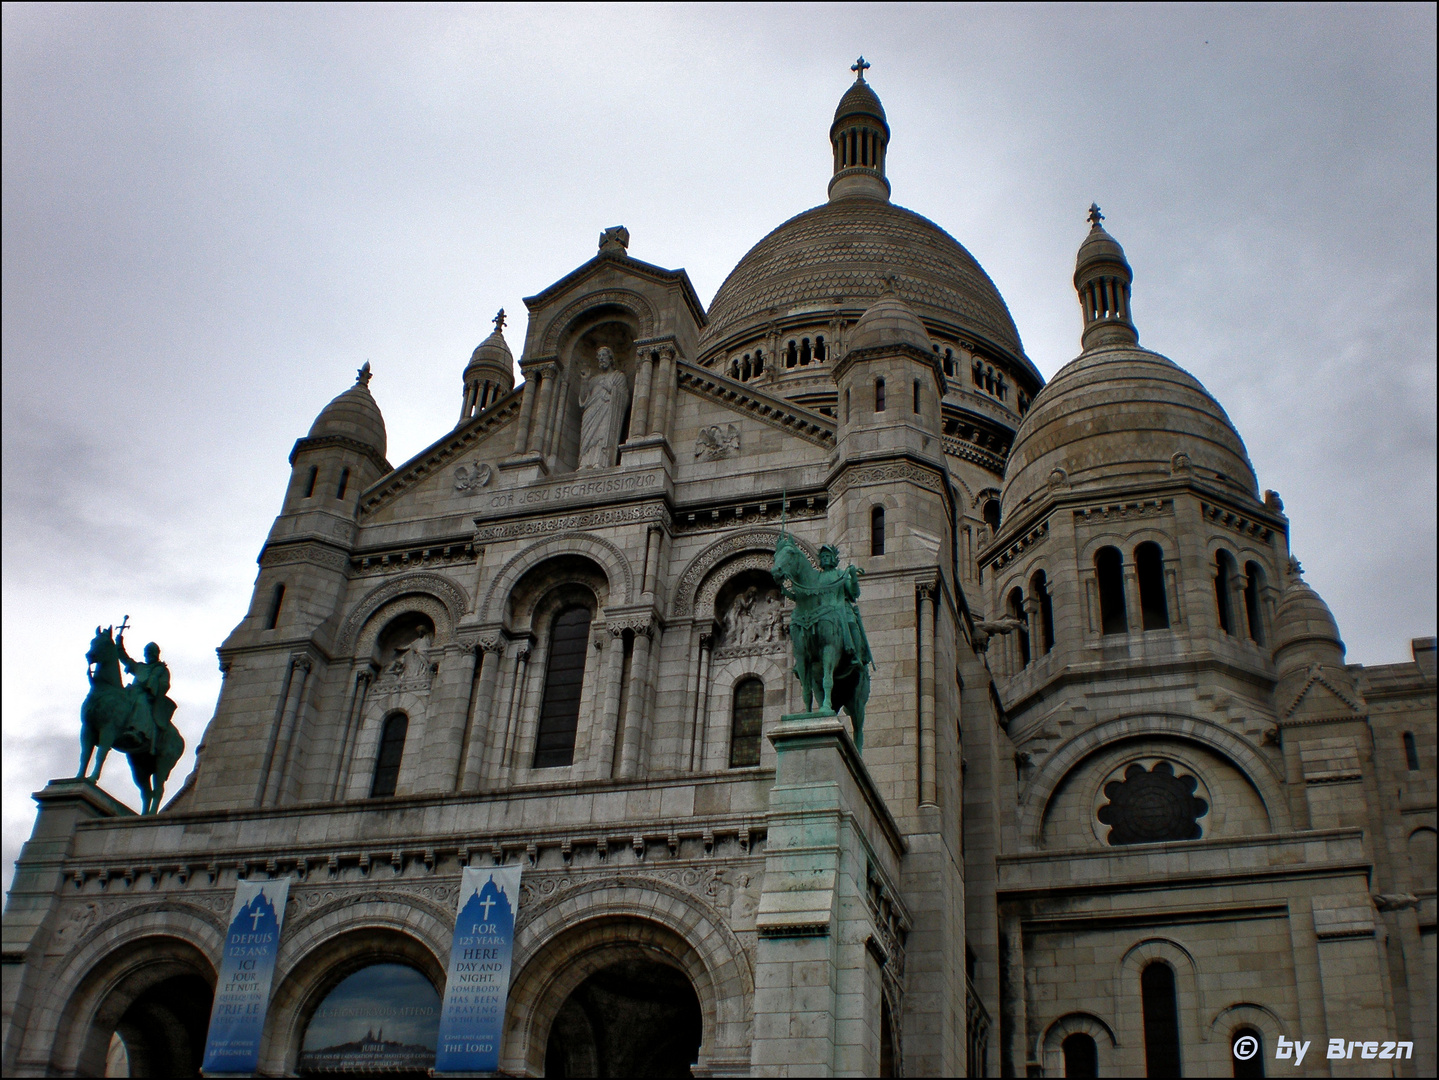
[831,849]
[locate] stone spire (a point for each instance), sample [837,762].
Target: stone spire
[859,137]
[1102,278]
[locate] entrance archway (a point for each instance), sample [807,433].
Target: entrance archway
[162,1033]
[632,1017]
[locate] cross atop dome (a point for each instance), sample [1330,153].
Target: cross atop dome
[859,67]
[1095,217]
[499,321]
[362,376]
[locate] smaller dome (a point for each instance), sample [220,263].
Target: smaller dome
[1305,631]
[860,100]
[1117,414]
[889,321]
[494,351]
[353,415]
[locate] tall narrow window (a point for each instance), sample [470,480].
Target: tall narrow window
[392,749]
[916,395]
[1161,1020]
[344,483]
[879,395]
[746,723]
[1016,611]
[1253,590]
[846,406]
[876,531]
[1081,1056]
[1249,1042]
[1223,583]
[819,349]
[310,483]
[1411,752]
[1109,569]
[804,352]
[1149,567]
[564,677]
[758,364]
[1039,589]
[277,598]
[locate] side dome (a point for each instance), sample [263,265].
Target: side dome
[1117,414]
[353,415]
[842,251]
[889,321]
[1305,631]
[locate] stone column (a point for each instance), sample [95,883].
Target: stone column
[501,736]
[527,411]
[699,736]
[928,777]
[1036,627]
[635,705]
[446,716]
[557,416]
[539,432]
[283,738]
[488,651]
[654,535]
[612,644]
[361,691]
[640,410]
[665,394]
[1013,1021]
[1132,608]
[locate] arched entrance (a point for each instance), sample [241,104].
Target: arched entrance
[632,1017]
[162,1033]
[379,1020]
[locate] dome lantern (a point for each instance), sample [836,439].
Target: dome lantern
[859,138]
[1102,278]
[490,374]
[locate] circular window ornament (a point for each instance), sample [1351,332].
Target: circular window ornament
[1149,801]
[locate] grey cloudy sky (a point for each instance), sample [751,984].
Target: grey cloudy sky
[213,215]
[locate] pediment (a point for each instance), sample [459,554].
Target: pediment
[461,448]
[1321,695]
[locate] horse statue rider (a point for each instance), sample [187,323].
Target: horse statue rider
[134,719]
[831,652]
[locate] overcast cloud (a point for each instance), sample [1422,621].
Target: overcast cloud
[213,215]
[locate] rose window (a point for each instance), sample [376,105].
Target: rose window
[1152,805]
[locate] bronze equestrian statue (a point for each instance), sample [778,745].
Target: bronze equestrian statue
[134,719]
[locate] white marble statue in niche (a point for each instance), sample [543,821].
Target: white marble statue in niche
[604,397]
[411,663]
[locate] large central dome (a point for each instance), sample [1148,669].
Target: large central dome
[841,253]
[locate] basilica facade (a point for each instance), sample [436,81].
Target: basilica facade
[1119,804]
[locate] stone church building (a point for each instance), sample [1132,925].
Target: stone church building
[1120,802]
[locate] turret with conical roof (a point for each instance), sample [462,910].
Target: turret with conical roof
[859,137]
[490,374]
[343,452]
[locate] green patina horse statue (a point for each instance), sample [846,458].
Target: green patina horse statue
[831,653]
[133,719]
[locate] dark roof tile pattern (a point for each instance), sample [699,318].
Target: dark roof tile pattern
[847,248]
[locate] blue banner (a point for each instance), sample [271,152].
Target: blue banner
[478,983]
[242,996]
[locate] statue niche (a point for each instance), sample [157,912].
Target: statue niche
[598,388]
[404,653]
[750,612]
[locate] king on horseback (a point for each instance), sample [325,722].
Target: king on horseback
[831,652]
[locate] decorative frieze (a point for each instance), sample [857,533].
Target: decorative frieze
[1240,523]
[595,519]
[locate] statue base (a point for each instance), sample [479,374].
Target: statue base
[817,714]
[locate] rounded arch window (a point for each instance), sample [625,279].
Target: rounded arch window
[991,514]
[564,683]
[392,752]
[1081,1055]
[1109,574]
[1248,1041]
[383,1018]
[746,723]
[1153,602]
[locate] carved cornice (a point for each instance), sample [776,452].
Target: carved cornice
[1017,547]
[343,442]
[923,476]
[316,554]
[768,408]
[1243,524]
